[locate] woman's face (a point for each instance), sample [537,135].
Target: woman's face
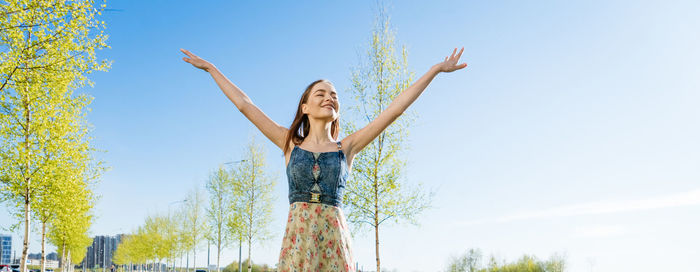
[322,102]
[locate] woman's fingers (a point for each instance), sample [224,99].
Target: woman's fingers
[460,53]
[188,53]
[451,62]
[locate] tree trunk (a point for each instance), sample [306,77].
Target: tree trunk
[43,246]
[25,248]
[68,262]
[218,245]
[240,245]
[27,196]
[250,221]
[376,219]
[218,257]
[250,267]
[63,256]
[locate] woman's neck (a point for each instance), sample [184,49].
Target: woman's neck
[320,132]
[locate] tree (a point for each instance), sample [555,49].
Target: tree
[556,263]
[65,210]
[154,230]
[172,238]
[218,211]
[122,256]
[253,189]
[69,230]
[375,193]
[155,240]
[46,53]
[179,221]
[67,173]
[234,220]
[471,261]
[195,222]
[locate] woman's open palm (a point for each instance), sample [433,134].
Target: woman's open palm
[196,61]
[450,63]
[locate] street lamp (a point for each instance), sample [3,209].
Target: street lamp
[240,242]
[232,162]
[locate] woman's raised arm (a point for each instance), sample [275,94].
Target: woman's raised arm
[361,138]
[273,131]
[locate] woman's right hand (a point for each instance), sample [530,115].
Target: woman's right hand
[196,61]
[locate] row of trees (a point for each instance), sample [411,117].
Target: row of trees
[46,167]
[473,261]
[238,211]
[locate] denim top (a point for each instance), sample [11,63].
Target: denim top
[330,181]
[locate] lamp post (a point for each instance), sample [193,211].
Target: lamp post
[240,242]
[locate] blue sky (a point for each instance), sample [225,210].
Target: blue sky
[573,130]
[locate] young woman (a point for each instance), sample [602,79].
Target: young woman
[317,237]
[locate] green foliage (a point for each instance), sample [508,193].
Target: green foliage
[122,255]
[171,237]
[46,168]
[233,267]
[157,239]
[219,185]
[472,262]
[195,225]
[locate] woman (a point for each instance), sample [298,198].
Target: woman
[317,237]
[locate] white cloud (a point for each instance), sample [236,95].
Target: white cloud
[690,198]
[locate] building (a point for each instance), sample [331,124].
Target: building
[51,259]
[5,249]
[100,253]
[50,264]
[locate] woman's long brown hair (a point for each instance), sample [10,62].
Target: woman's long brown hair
[300,126]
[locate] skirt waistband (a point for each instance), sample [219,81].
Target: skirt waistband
[314,198]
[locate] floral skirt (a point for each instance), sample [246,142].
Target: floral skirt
[317,238]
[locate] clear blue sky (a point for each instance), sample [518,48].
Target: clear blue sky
[574,129]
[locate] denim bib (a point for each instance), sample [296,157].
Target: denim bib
[317,177]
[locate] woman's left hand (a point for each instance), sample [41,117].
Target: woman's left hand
[450,63]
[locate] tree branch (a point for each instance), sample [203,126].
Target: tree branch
[9,77]
[50,64]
